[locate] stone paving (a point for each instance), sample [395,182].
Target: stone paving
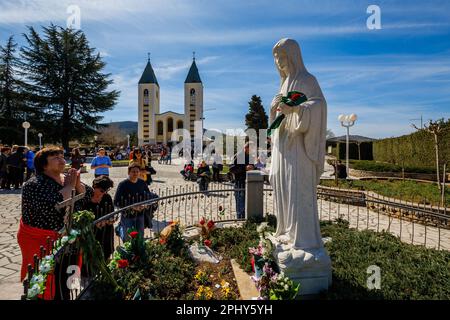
[188,209]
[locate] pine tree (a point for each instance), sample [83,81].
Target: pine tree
[256,118]
[12,104]
[66,83]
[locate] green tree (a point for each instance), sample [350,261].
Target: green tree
[12,104]
[437,129]
[256,118]
[67,86]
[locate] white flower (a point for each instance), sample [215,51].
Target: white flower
[34,291]
[262,227]
[37,279]
[286,287]
[217,286]
[44,267]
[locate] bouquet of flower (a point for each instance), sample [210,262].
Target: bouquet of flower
[132,252]
[275,286]
[205,229]
[293,98]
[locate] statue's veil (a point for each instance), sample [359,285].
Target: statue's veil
[299,79]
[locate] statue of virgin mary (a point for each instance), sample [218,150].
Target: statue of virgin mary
[298,155]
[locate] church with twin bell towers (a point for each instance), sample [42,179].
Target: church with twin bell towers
[155,127]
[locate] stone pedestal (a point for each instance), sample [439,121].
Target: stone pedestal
[309,267]
[254,194]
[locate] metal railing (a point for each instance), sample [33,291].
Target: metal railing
[412,223]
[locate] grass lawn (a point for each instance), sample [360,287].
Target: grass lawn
[407,271]
[405,190]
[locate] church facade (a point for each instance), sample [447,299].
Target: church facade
[155,127]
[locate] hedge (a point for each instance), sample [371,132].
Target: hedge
[388,167]
[413,150]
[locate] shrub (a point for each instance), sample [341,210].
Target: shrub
[367,165]
[407,271]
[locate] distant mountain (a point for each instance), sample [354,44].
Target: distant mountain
[127,127]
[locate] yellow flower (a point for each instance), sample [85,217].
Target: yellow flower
[208,293]
[199,292]
[200,275]
[204,293]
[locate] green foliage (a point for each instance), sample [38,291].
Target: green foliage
[256,118]
[158,274]
[175,242]
[12,95]
[375,166]
[66,84]
[284,289]
[407,271]
[238,240]
[413,150]
[91,248]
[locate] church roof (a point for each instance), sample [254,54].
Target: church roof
[193,76]
[148,76]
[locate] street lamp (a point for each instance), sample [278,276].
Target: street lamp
[95,138]
[347,121]
[40,140]
[128,137]
[26,125]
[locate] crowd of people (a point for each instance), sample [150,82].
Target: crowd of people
[16,166]
[53,183]
[49,182]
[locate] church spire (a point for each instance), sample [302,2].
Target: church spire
[148,76]
[193,75]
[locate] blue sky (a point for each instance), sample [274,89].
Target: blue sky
[387,77]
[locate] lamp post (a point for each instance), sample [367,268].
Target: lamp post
[40,140]
[128,138]
[95,138]
[26,125]
[347,121]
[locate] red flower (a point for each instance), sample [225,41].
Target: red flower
[295,96]
[210,224]
[134,234]
[162,241]
[123,263]
[207,242]
[202,222]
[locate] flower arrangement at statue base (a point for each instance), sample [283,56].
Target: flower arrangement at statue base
[270,284]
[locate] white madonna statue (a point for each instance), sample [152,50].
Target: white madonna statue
[298,155]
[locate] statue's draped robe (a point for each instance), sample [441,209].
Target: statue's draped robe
[298,156]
